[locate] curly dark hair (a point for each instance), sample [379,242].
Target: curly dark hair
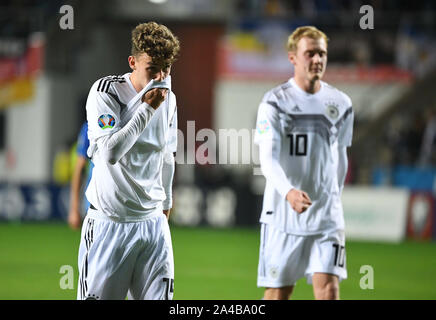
[157,41]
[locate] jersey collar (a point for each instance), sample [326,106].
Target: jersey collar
[304,93]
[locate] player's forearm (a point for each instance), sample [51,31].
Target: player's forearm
[271,168]
[115,146]
[342,166]
[74,198]
[168,169]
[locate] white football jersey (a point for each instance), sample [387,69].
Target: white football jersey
[131,188]
[307,129]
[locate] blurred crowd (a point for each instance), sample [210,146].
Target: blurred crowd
[413,139]
[311,8]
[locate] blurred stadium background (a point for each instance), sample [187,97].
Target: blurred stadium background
[232,53]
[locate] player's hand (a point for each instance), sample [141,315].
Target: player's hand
[167,213]
[155,97]
[74,220]
[299,200]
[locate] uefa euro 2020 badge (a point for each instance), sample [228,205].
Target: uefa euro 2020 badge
[106,121]
[263,126]
[332,110]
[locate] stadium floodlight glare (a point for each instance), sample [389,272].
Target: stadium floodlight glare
[158,1]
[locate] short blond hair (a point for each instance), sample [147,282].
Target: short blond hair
[157,41]
[301,32]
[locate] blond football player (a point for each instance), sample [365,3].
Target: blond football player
[304,127]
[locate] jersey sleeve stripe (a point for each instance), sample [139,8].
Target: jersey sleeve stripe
[115,97]
[99,84]
[344,117]
[105,82]
[275,105]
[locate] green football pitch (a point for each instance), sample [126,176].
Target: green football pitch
[209,264]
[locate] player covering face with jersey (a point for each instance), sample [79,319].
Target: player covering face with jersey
[303,129]
[126,244]
[145,70]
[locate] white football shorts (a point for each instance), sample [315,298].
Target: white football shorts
[117,259]
[285,258]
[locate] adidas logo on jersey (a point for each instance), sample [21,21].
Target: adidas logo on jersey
[296,109]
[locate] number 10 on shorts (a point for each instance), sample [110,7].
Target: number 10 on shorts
[339,255]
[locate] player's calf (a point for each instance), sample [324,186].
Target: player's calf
[283,293]
[325,286]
